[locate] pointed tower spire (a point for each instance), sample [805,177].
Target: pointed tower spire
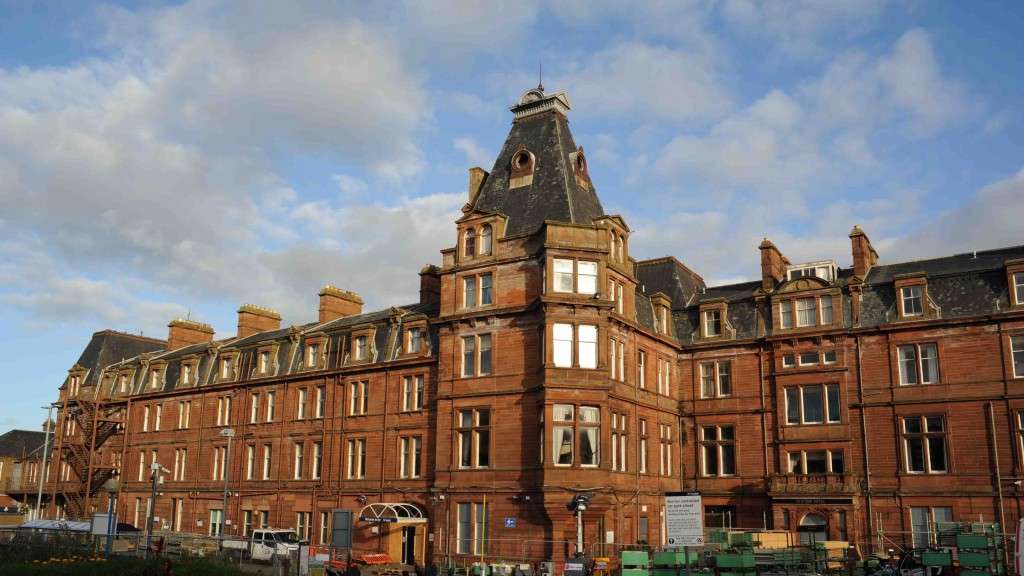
[540,174]
[540,74]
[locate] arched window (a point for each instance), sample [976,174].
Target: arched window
[485,239]
[614,246]
[620,249]
[813,528]
[470,243]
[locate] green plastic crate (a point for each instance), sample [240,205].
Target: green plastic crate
[974,559]
[975,573]
[674,558]
[718,536]
[741,539]
[787,558]
[935,558]
[634,558]
[743,560]
[635,572]
[972,541]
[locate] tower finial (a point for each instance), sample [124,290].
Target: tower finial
[540,74]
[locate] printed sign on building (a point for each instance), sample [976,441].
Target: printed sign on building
[684,519]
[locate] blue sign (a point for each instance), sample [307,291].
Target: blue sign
[510,522]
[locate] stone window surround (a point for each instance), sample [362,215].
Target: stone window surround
[367,331]
[420,325]
[271,349]
[1014,267]
[928,309]
[726,331]
[461,287]
[599,281]
[837,309]
[231,355]
[319,339]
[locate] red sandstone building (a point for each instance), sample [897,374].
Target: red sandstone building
[543,360]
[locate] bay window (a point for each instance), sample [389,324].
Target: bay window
[586,345]
[813,404]
[579,276]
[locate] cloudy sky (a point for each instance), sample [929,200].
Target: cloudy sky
[168,160]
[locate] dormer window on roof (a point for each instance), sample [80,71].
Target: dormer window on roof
[485,239]
[186,374]
[912,297]
[825,269]
[521,169]
[469,243]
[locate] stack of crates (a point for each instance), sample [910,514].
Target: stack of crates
[980,552]
[673,563]
[830,554]
[635,563]
[738,562]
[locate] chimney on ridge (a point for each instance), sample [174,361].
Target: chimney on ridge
[337,303]
[253,319]
[181,333]
[864,255]
[773,265]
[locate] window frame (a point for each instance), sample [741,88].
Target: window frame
[717,445]
[924,436]
[919,364]
[715,376]
[919,298]
[575,274]
[1017,348]
[826,410]
[477,435]
[830,454]
[476,343]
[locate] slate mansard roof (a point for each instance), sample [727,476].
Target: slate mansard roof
[554,193]
[108,346]
[18,443]
[960,286]
[287,344]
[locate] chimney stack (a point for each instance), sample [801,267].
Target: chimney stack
[181,333]
[254,319]
[477,176]
[430,284]
[773,265]
[337,303]
[864,255]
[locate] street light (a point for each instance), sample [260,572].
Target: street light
[155,469]
[228,433]
[45,468]
[111,486]
[578,504]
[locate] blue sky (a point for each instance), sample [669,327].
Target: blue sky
[168,160]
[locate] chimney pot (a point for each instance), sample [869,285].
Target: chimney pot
[477,176]
[864,255]
[181,333]
[337,303]
[253,319]
[773,265]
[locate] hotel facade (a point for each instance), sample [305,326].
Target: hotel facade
[541,361]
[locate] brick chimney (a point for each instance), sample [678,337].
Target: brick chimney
[337,303]
[864,255]
[181,333]
[477,176]
[430,284]
[773,265]
[253,319]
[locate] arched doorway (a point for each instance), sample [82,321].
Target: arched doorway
[402,526]
[813,528]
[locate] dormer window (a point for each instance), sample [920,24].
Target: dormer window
[154,378]
[522,169]
[712,323]
[263,361]
[826,270]
[74,383]
[912,297]
[1018,288]
[806,312]
[485,239]
[312,354]
[469,243]
[226,368]
[186,374]
[122,383]
[415,343]
[360,348]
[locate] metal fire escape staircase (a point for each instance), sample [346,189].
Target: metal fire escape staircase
[97,422]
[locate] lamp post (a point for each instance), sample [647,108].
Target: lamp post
[578,504]
[111,486]
[46,448]
[228,433]
[155,469]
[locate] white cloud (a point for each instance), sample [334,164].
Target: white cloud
[800,28]
[646,81]
[475,154]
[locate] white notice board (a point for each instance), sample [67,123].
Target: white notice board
[684,519]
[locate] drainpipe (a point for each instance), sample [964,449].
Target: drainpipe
[864,436]
[999,479]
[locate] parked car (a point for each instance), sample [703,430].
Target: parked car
[265,543]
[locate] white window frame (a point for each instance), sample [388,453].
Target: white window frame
[926,446]
[355,468]
[712,323]
[907,295]
[1018,288]
[787,314]
[300,403]
[358,398]
[919,358]
[712,370]
[268,461]
[1017,355]
[800,307]
[826,413]
[802,461]
[715,445]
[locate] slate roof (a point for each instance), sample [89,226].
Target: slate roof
[108,346]
[17,443]
[961,285]
[671,277]
[553,194]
